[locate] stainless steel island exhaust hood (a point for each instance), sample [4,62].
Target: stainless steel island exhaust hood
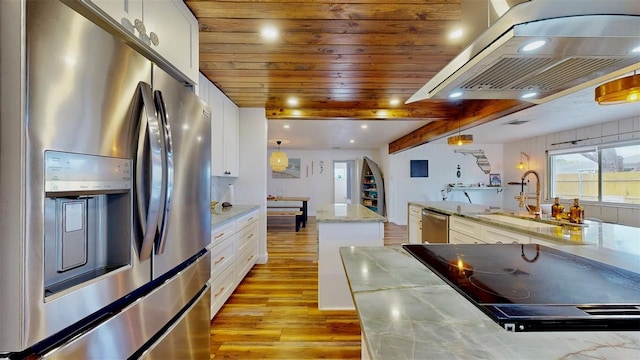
[584,42]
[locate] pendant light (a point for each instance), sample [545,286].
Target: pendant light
[520,165]
[459,140]
[619,91]
[278,160]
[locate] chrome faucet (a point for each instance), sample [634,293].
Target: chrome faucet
[522,199]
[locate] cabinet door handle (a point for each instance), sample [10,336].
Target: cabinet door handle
[250,236]
[218,236]
[219,292]
[218,261]
[250,257]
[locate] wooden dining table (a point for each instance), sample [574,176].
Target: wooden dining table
[303,208]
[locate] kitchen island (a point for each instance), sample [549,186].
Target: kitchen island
[342,225]
[407,312]
[615,244]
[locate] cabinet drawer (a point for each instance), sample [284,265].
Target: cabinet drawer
[223,231]
[245,260]
[493,235]
[247,235]
[415,211]
[222,255]
[221,289]
[464,226]
[458,238]
[247,219]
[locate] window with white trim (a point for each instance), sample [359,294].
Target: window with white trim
[603,174]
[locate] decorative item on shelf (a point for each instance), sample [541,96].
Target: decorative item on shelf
[619,91]
[481,159]
[520,165]
[494,180]
[278,160]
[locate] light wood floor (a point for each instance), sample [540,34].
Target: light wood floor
[273,314]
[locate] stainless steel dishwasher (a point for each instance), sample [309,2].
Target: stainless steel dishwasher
[435,227]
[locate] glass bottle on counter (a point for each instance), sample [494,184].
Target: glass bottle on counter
[557,209]
[576,212]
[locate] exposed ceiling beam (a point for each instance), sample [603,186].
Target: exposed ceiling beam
[363,110]
[472,113]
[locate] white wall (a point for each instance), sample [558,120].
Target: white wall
[443,162]
[626,129]
[314,182]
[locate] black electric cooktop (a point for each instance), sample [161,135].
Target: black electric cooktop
[530,287]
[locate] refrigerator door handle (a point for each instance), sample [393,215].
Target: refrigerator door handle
[148,200]
[167,173]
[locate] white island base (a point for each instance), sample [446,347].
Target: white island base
[362,227]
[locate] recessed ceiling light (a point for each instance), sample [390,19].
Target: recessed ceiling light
[529,95]
[394,102]
[269,33]
[352,141]
[364,126]
[292,101]
[456,34]
[533,45]
[456,94]
[286,126]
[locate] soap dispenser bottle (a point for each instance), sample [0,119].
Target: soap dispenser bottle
[557,209]
[576,212]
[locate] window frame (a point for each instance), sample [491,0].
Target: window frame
[581,149]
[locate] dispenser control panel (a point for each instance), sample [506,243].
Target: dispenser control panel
[89,174]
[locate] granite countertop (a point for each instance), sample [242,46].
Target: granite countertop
[346,213]
[221,215]
[408,312]
[598,235]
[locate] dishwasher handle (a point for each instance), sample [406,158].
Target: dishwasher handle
[434,215]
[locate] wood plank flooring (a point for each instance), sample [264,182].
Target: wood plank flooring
[273,314]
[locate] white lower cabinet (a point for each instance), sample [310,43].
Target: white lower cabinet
[234,251]
[221,289]
[492,235]
[463,231]
[458,238]
[415,224]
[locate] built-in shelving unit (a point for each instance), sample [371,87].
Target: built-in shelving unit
[372,187]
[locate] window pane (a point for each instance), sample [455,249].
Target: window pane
[575,175]
[621,174]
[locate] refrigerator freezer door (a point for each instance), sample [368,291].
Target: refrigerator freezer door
[187,225]
[158,315]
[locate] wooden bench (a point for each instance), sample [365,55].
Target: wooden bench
[285,213]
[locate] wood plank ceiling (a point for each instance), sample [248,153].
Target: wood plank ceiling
[339,60]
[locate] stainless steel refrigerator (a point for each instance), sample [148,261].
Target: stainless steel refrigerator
[104,195]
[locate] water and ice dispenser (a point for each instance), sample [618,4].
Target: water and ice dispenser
[87,220]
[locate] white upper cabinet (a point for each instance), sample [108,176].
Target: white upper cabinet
[165,26]
[231,166]
[124,12]
[224,130]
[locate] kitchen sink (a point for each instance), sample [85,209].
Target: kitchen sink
[517,221]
